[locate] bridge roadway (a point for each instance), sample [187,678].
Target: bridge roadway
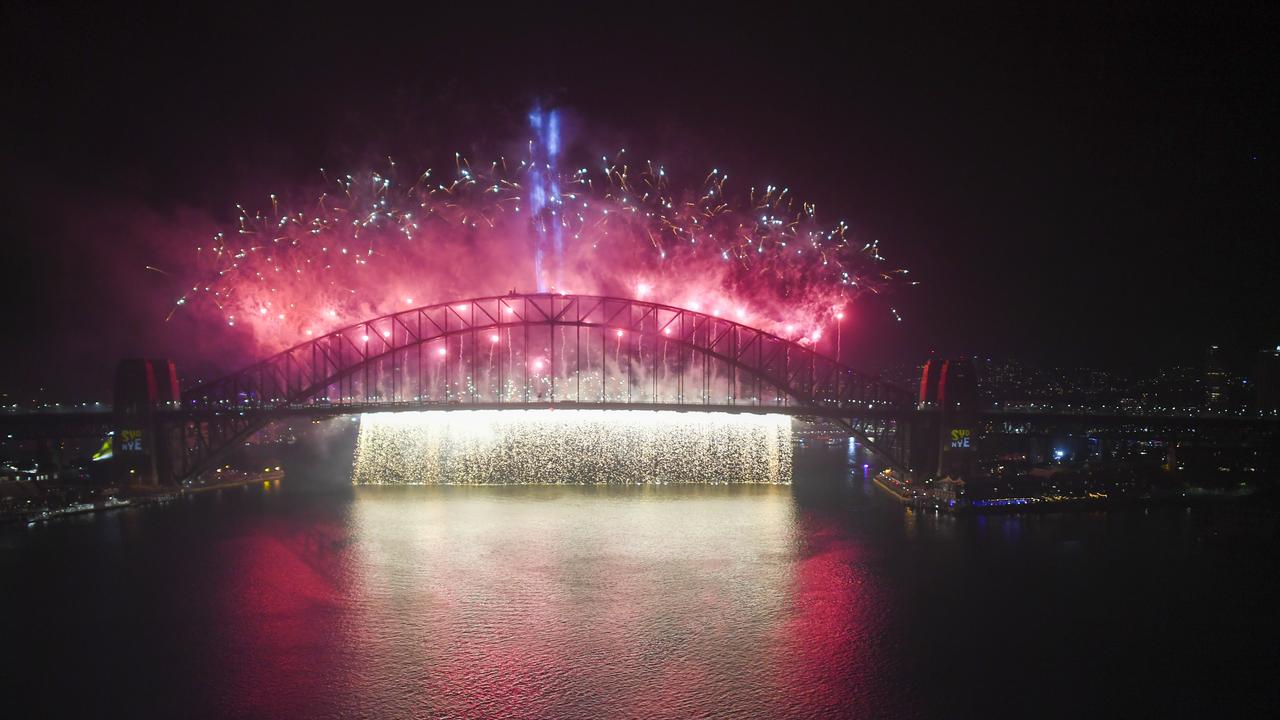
[336,410]
[97,423]
[878,423]
[1099,421]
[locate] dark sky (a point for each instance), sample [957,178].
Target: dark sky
[1069,186]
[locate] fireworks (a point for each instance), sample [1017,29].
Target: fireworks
[377,242]
[571,446]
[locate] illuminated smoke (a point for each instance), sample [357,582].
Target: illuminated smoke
[571,447]
[369,244]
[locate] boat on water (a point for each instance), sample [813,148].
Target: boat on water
[72,509]
[110,503]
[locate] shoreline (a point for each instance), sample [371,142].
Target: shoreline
[900,493]
[138,497]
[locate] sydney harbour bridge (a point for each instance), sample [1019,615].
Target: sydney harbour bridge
[516,351]
[531,351]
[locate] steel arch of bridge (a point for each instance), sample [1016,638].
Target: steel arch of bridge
[539,350]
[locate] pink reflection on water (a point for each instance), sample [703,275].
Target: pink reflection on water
[550,602]
[828,659]
[282,595]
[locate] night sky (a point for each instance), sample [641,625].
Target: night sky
[1069,187]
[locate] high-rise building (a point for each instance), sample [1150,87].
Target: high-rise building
[1215,379]
[1266,380]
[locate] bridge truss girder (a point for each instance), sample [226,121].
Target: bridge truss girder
[543,349]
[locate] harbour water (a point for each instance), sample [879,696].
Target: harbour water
[307,597]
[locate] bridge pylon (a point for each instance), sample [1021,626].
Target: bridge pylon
[144,387]
[944,427]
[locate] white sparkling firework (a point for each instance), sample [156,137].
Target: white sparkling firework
[571,447]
